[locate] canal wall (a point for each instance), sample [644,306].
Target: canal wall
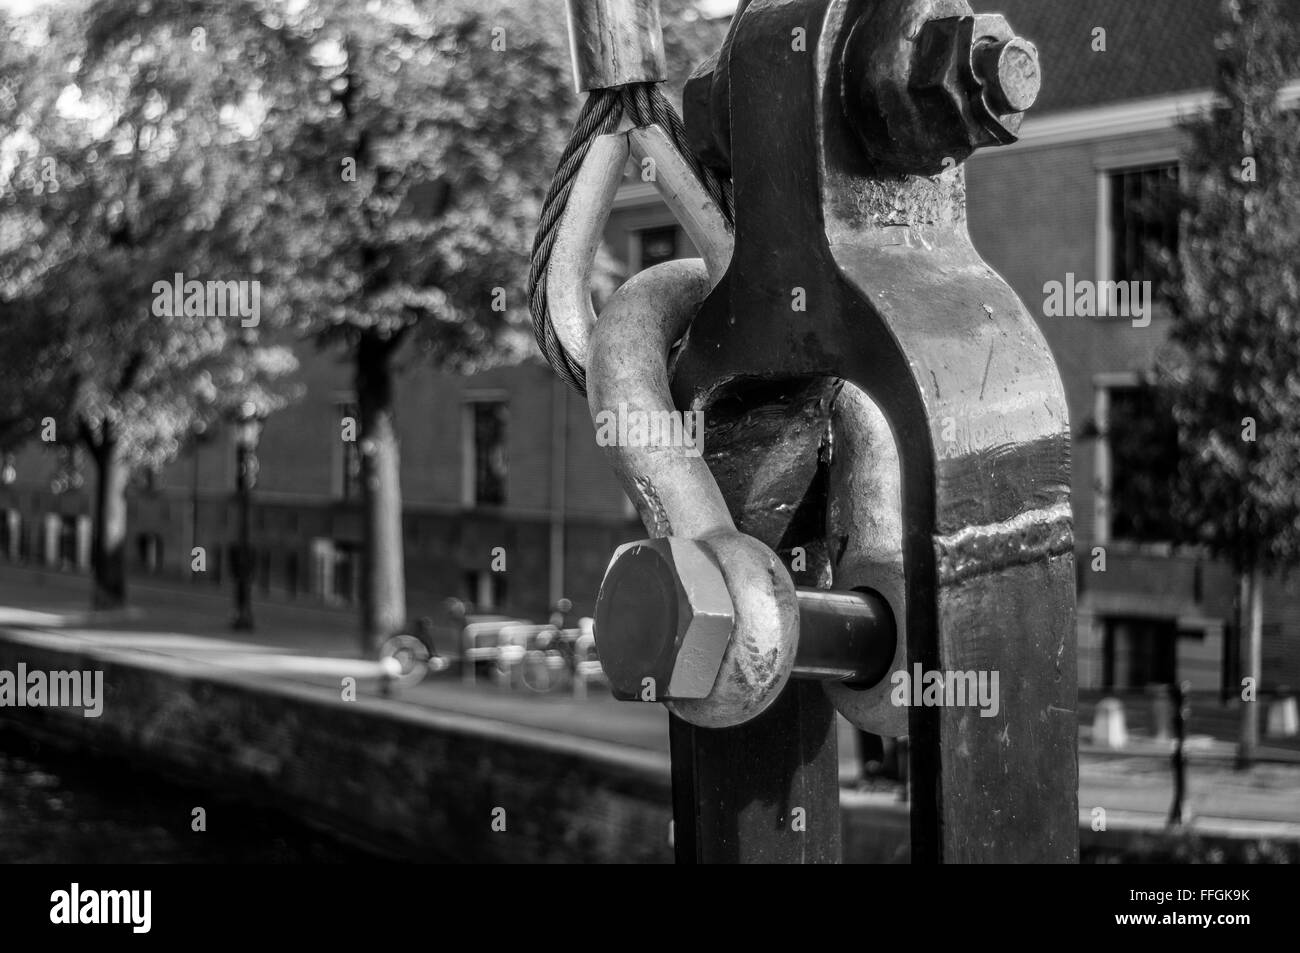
[404,781]
[417,784]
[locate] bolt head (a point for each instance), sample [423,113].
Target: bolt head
[975,78]
[1010,73]
[663,614]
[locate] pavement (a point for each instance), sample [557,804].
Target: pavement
[310,644]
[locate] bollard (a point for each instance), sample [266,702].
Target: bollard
[1283,715]
[1162,711]
[1109,729]
[885,420]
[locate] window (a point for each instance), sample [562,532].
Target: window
[1139,652]
[1142,443]
[657,245]
[335,570]
[347,573]
[1142,222]
[486,464]
[11,522]
[347,459]
[148,549]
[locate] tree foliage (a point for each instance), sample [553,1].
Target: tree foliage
[126,171]
[1233,380]
[131,175]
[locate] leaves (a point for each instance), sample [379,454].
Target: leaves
[133,175]
[1233,373]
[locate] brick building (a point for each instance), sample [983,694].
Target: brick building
[508,459]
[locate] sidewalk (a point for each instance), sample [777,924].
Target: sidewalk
[316,646]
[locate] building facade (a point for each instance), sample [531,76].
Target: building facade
[508,504]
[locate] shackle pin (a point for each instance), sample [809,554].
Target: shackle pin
[665,614]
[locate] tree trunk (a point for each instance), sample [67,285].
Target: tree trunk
[109,550]
[383,570]
[1252,664]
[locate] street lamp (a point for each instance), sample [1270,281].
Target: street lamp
[247,420]
[198,437]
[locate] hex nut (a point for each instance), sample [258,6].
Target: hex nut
[931,97]
[977,70]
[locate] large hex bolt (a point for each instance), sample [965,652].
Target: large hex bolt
[663,620]
[962,83]
[1010,73]
[987,74]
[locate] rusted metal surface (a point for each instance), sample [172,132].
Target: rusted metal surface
[838,200]
[615,43]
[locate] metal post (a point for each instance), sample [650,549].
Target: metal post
[243,621]
[845,151]
[559,491]
[883,414]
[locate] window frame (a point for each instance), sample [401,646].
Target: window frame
[1105,172]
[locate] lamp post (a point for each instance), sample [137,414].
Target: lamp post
[198,437]
[248,428]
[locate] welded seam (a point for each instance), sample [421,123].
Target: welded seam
[1026,538]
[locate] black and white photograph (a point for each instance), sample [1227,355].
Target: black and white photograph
[622,432]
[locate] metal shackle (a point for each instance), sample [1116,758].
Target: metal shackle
[703,617]
[741,645]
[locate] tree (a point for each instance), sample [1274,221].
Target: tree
[130,178]
[408,155]
[409,158]
[403,153]
[1233,380]
[29,83]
